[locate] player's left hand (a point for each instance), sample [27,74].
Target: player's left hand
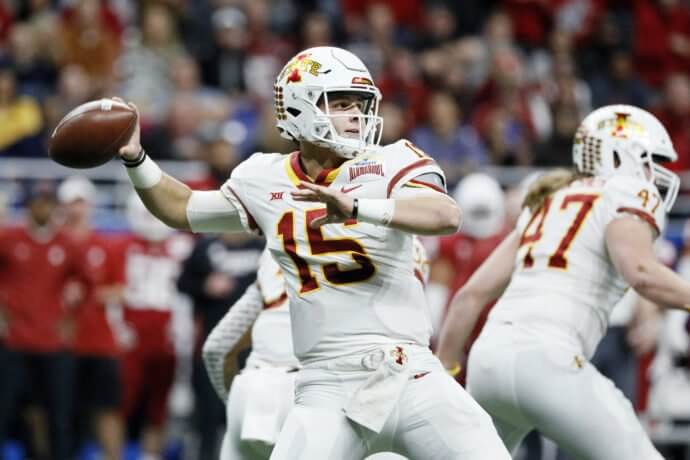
[338,204]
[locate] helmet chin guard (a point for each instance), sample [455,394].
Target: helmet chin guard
[626,140]
[304,85]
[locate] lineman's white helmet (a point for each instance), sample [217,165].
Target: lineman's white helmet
[623,139]
[307,79]
[484,204]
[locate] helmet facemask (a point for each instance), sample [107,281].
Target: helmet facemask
[667,182]
[369,127]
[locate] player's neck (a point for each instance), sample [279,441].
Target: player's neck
[315,159]
[40,231]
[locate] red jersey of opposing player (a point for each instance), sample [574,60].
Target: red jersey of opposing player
[151,271]
[93,334]
[153,257]
[464,254]
[35,269]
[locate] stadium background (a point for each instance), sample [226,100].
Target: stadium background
[481,85]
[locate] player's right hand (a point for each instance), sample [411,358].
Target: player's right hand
[338,205]
[132,149]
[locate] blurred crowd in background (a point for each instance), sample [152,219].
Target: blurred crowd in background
[477,84]
[474,82]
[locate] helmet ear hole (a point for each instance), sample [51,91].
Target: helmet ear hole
[658,158]
[616,160]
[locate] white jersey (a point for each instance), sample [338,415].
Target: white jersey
[420,261]
[271,334]
[350,285]
[564,281]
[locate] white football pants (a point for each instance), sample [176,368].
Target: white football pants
[257,406]
[526,382]
[434,418]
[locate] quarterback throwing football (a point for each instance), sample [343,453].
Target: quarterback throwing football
[360,327]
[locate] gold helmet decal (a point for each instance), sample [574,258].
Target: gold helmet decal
[302,63]
[622,126]
[620,129]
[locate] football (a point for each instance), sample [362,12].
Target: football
[91,134]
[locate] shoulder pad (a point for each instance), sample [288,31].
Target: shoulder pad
[256,164]
[632,195]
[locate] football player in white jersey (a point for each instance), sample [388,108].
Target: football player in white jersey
[261,396]
[583,238]
[360,327]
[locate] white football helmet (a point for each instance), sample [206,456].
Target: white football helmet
[623,139]
[143,223]
[483,203]
[307,80]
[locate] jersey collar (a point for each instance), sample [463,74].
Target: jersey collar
[294,170]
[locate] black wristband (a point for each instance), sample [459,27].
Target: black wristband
[136,161]
[355,208]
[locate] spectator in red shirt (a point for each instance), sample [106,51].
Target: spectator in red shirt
[97,352]
[662,44]
[409,13]
[402,84]
[38,263]
[504,114]
[220,156]
[531,20]
[89,36]
[153,257]
[674,113]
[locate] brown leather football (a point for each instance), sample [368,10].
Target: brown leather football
[91,134]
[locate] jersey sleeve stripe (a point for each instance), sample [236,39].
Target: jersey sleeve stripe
[419,183]
[417,164]
[275,302]
[252,222]
[642,215]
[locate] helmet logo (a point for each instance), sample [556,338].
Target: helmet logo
[620,130]
[622,126]
[294,76]
[302,63]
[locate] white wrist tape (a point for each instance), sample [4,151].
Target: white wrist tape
[145,175]
[376,211]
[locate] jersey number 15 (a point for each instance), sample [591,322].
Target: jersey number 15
[318,245]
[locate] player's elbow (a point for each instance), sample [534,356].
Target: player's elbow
[178,222]
[448,218]
[639,276]
[172,213]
